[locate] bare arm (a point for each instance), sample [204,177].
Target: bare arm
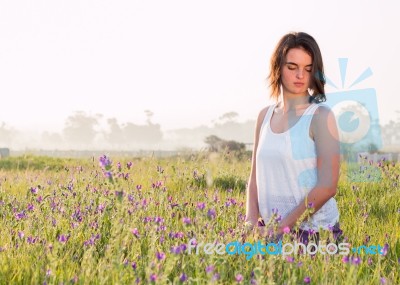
[252,211]
[325,134]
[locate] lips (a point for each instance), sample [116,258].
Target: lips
[299,84]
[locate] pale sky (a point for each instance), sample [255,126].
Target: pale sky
[187,61]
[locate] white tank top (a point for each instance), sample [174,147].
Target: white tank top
[286,171]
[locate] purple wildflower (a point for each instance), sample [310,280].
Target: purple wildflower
[135,232]
[385,249]
[307,280]
[134,266]
[63,238]
[370,261]
[211,213]
[210,269]
[186,220]
[290,259]
[34,190]
[356,260]
[383,280]
[158,220]
[183,246]
[105,162]
[176,249]
[183,277]
[345,259]
[129,165]
[239,278]
[160,255]
[216,277]
[179,235]
[201,205]
[21,234]
[153,277]
[20,215]
[31,240]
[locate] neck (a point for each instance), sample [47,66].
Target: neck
[290,103]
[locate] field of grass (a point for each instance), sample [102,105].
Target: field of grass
[91,221]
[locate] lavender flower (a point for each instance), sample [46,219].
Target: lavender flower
[201,205]
[63,238]
[34,190]
[21,234]
[135,232]
[356,260]
[385,249]
[210,269]
[239,278]
[160,255]
[307,280]
[290,259]
[153,277]
[211,213]
[105,162]
[183,277]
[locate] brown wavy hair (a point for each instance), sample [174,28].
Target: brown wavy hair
[308,43]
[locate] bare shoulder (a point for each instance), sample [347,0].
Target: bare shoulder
[261,115]
[323,114]
[323,121]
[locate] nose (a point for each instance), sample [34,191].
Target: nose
[300,73]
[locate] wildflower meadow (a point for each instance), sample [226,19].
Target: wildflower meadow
[119,220]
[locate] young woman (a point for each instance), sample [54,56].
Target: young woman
[295,163]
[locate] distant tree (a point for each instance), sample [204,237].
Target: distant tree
[213,142]
[149,115]
[217,144]
[51,140]
[148,134]
[6,134]
[116,134]
[80,128]
[230,116]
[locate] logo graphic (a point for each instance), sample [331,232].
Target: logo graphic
[357,119]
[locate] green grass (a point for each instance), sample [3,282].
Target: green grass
[98,215]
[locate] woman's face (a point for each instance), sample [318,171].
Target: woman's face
[296,72]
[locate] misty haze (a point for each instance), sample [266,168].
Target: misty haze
[85,132]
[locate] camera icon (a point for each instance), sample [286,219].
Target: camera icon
[357,119]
